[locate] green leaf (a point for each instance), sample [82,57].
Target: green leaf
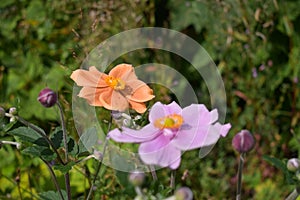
[26,134]
[88,139]
[282,166]
[52,195]
[37,151]
[57,138]
[72,147]
[64,168]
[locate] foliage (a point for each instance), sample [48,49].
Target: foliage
[255,45]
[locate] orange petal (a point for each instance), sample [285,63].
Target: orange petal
[135,84]
[142,94]
[113,100]
[122,71]
[92,95]
[138,107]
[91,78]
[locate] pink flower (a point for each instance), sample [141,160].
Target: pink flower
[172,130]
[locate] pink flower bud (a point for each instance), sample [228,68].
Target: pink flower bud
[47,97]
[243,141]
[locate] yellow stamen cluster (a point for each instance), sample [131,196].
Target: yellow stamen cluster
[171,121]
[115,83]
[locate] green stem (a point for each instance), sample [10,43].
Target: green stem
[240,174]
[99,164]
[54,178]
[33,127]
[64,129]
[293,195]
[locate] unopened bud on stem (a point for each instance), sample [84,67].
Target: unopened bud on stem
[243,141]
[47,97]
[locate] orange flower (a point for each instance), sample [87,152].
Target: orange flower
[118,90]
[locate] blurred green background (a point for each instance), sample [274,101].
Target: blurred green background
[255,45]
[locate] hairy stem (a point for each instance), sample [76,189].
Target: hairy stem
[64,129]
[293,195]
[240,174]
[54,178]
[100,163]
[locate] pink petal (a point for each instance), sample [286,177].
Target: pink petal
[160,152]
[113,100]
[91,78]
[196,137]
[160,110]
[121,71]
[224,129]
[134,136]
[198,115]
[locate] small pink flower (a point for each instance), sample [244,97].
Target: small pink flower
[172,130]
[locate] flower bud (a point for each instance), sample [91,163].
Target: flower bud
[243,141]
[293,164]
[47,97]
[12,110]
[136,178]
[184,193]
[2,112]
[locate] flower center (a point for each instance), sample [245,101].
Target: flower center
[115,83]
[173,121]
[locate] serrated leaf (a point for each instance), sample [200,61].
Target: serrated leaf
[26,134]
[72,147]
[64,168]
[52,195]
[282,166]
[57,138]
[37,151]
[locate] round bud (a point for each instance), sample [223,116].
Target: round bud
[243,141]
[184,193]
[47,97]
[136,178]
[293,164]
[12,110]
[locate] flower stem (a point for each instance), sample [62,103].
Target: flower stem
[64,129]
[41,133]
[100,163]
[153,173]
[54,178]
[240,173]
[294,194]
[172,180]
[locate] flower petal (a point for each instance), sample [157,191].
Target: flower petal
[147,133]
[160,152]
[122,71]
[138,107]
[91,78]
[224,129]
[198,115]
[142,94]
[196,137]
[160,110]
[92,95]
[113,100]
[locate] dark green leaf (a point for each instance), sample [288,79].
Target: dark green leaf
[57,138]
[37,151]
[282,166]
[72,147]
[52,195]
[26,134]
[64,168]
